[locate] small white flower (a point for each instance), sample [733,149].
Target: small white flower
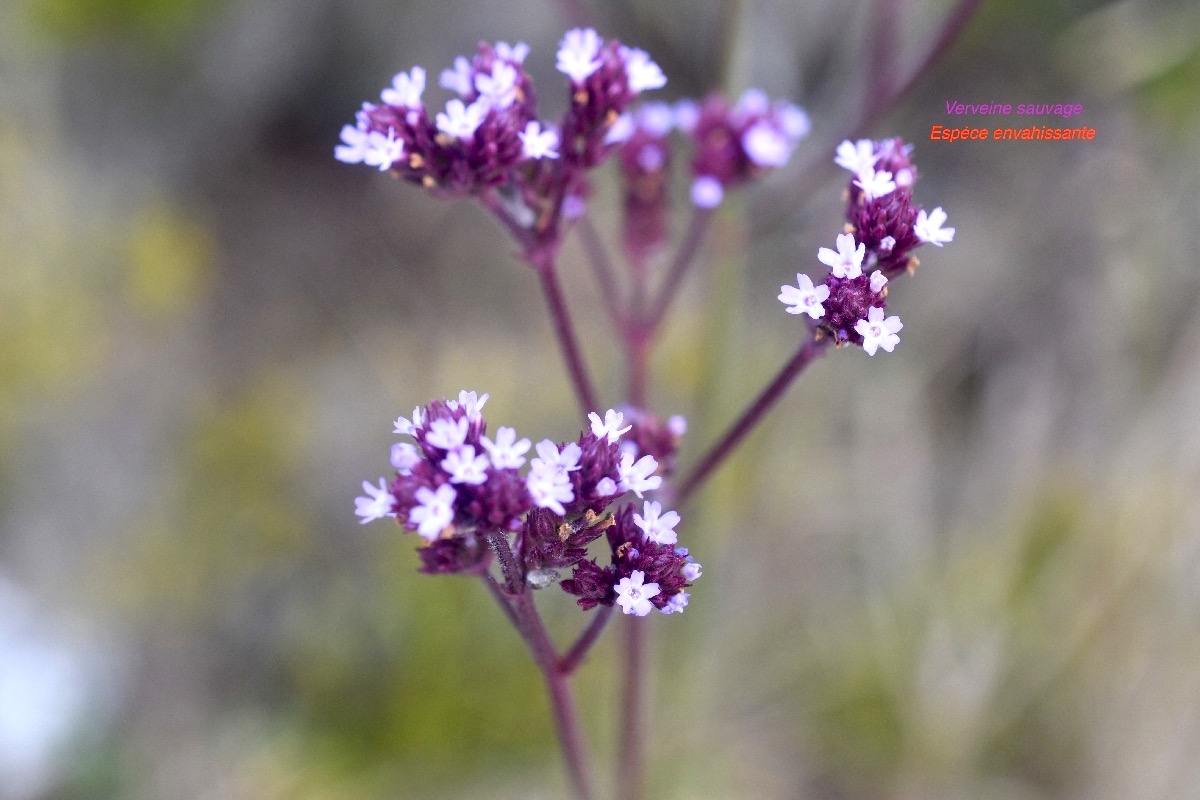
[887,243]
[691,571]
[463,466]
[404,457]
[471,403]
[606,487]
[515,53]
[928,228]
[621,129]
[643,73]
[903,178]
[448,434]
[676,604]
[707,192]
[875,184]
[857,156]
[878,281]
[353,148]
[462,121]
[377,503]
[804,298]
[638,477]
[633,594]
[458,79]
[577,54]
[847,261]
[610,426]
[537,142]
[406,428]
[657,527]
[406,89]
[382,151]
[548,486]
[878,332]
[506,451]
[434,512]
[499,88]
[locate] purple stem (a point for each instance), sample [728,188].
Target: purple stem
[591,634]
[522,611]
[565,332]
[684,258]
[631,758]
[754,414]
[602,269]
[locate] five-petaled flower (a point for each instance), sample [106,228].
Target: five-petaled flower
[878,332]
[928,227]
[847,261]
[804,298]
[633,595]
[434,512]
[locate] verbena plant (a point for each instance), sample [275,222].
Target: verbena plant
[481,504]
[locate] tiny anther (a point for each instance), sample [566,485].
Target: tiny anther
[428,182]
[564,531]
[443,139]
[447,532]
[580,97]
[416,161]
[623,549]
[913,263]
[848,228]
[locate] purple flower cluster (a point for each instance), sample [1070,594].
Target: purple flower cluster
[489,135]
[884,226]
[736,144]
[459,490]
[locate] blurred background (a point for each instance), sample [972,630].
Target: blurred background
[968,569]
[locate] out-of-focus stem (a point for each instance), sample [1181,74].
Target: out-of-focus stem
[523,613]
[754,414]
[684,258]
[591,634]
[602,269]
[565,332]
